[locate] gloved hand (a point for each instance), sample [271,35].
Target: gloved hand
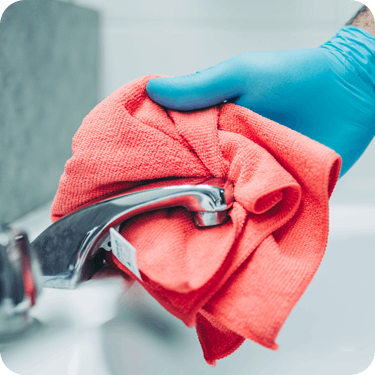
[326,93]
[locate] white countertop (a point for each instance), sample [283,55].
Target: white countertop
[100,329]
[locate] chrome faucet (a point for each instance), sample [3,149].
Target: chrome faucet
[20,281]
[73,249]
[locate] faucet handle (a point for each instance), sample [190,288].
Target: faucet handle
[20,280]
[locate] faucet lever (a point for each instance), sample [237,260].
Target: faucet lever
[20,281]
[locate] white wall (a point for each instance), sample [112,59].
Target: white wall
[176,37]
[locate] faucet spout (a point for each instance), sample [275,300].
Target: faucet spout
[70,249]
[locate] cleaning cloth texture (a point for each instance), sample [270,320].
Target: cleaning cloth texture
[232,282]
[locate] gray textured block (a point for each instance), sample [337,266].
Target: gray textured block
[49,68]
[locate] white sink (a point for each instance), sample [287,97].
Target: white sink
[100,329]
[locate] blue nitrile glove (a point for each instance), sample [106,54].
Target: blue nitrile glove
[326,93]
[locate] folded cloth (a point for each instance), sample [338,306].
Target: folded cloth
[235,281]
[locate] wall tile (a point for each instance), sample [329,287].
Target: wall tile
[49,67]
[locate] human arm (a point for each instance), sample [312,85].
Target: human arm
[363,19]
[326,93]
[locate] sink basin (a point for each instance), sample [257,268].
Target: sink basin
[109,326]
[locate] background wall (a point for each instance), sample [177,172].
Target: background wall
[49,80]
[177,37]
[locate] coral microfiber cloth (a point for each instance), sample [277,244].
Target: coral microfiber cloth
[235,281]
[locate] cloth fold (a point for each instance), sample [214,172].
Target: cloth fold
[235,281]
